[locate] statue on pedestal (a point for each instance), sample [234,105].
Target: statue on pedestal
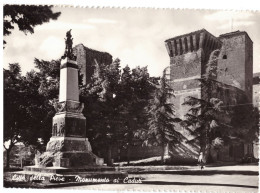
[68,50]
[68,152]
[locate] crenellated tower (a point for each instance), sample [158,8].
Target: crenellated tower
[189,54]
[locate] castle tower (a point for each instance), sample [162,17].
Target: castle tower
[236,60]
[189,54]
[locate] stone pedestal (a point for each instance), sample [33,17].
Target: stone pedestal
[68,146]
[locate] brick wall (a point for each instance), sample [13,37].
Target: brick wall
[236,61]
[187,63]
[86,59]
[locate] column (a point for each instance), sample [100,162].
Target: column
[68,81]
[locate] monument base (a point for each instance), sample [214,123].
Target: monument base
[68,152]
[64,170]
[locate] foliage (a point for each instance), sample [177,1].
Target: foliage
[101,106]
[28,102]
[161,117]
[206,123]
[13,110]
[245,119]
[120,99]
[204,119]
[49,75]
[26,17]
[114,103]
[212,121]
[24,109]
[135,91]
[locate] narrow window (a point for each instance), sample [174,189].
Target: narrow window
[225,56]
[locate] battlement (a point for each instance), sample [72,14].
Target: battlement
[190,42]
[190,53]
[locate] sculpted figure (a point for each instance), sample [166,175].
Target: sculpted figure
[69,42]
[62,129]
[68,50]
[55,129]
[59,106]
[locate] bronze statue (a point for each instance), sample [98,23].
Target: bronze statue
[68,50]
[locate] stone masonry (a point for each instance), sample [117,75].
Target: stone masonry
[69,146]
[189,54]
[86,59]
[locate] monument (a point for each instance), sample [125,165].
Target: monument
[68,153]
[68,146]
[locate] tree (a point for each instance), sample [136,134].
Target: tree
[204,122]
[244,120]
[211,121]
[135,90]
[99,97]
[23,109]
[161,117]
[26,17]
[28,101]
[13,112]
[120,99]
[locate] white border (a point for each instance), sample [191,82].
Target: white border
[181,4]
[250,5]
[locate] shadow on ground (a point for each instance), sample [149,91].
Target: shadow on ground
[196,184]
[37,186]
[198,172]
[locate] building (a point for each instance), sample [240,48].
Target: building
[256,89]
[87,58]
[256,103]
[190,53]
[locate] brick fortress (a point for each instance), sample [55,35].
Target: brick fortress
[189,54]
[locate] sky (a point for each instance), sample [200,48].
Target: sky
[136,36]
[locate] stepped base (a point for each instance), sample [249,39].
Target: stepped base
[63,170]
[68,152]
